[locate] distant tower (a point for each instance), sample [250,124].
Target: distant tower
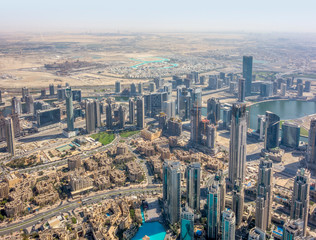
[29,104]
[213,110]
[300,198]
[172,191]
[43,93]
[213,211]
[272,131]
[97,113]
[90,116]
[311,148]
[131,111]
[140,110]
[300,90]
[70,110]
[117,87]
[220,178]
[238,201]
[187,224]
[152,87]
[193,185]
[247,73]
[241,90]
[9,132]
[195,124]
[264,195]
[237,145]
[140,88]
[211,136]
[25,92]
[16,106]
[51,89]
[122,117]
[109,114]
[228,225]
[133,89]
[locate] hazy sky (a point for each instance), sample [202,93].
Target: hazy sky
[158,15]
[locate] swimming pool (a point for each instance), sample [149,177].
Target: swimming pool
[154,230]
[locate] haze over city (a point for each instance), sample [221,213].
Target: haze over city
[166,120]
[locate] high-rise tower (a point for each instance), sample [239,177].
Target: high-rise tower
[131,110]
[213,210]
[195,124]
[272,131]
[187,224]
[241,90]
[264,195]
[213,110]
[238,143]
[247,73]
[300,198]
[238,201]
[311,148]
[9,133]
[193,185]
[140,111]
[228,225]
[70,110]
[172,191]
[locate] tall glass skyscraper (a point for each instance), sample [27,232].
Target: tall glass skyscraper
[187,224]
[237,145]
[247,73]
[70,110]
[171,191]
[213,210]
[300,198]
[193,185]
[272,131]
[264,195]
[228,225]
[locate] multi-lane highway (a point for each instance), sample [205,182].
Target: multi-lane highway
[69,206]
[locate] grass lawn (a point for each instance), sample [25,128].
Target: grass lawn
[127,134]
[103,137]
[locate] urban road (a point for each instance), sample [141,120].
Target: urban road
[69,206]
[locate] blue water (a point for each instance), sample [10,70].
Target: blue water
[159,60]
[154,230]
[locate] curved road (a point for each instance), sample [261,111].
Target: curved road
[69,206]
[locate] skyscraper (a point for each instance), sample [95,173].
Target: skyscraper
[29,104]
[228,225]
[122,117]
[311,148]
[90,116]
[16,106]
[131,111]
[272,131]
[133,89]
[300,90]
[238,201]
[293,229]
[51,89]
[69,110]
[117,87]
[241,89]
[25,92]
[140,112]
[97,107]
[172,191]
[264,195]
[109,114]
[193,185]
[300,197]
[195,125]
[9,132]
[237,145]
[247,73]
[140,88]
[213,210]
[211,136]
[169,107]
[220,178]
[213,110]
[187,224]
[290,134]
[196,95]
